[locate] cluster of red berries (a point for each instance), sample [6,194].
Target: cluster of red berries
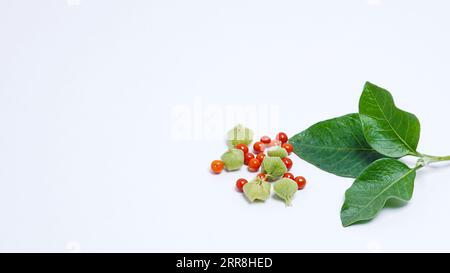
[254,160]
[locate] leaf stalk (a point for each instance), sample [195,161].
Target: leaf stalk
[425,160]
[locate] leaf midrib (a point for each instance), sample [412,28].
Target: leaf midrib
[382,192]
[389,123]
[339,148]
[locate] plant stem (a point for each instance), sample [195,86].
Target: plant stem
[437,158]
[428,159]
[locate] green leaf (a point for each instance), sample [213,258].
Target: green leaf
[257,190]
[389,130]
[285,188]
[337,146]
[273,167]
[383,180]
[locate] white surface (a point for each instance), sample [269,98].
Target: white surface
[88,92]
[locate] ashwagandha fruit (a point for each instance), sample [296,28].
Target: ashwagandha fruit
[233,159]
[277,151]
[285,188]
[273,167]
[257,189]
[239,135]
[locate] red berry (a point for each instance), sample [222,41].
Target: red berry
[242,147]
[260,156]
[254,164]
[262,176]
[265,139]
[259,147]
[274,142]
[282,137]
[301,182]
[288,162]
[240,184]
[247,157]
[288,175]
[288,147]
[217,166]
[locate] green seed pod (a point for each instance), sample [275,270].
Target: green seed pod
[273,167]
[233,159]
[257,189]
[285,188]
[239,135]
[277,151]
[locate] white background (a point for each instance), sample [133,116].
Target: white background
[89,159]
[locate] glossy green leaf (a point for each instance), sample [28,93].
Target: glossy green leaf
[337,146]
[382,180]
[389,130]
